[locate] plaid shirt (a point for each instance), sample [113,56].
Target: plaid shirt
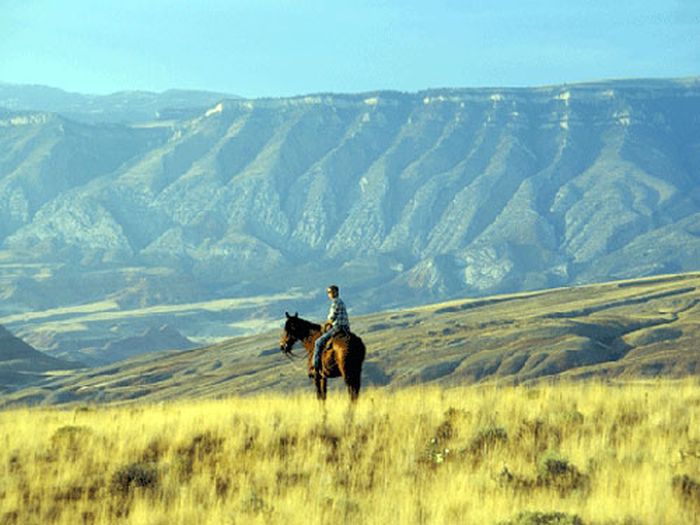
[338,315]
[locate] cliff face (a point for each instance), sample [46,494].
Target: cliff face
[402,198]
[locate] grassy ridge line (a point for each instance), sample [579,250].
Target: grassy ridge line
[592,453]
[628,329]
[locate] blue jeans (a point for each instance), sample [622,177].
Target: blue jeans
[319,345]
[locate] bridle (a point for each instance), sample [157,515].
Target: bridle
[293,332]
[287,342]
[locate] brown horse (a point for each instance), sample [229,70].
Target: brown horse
[343,357]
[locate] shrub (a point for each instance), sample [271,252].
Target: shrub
[433,454]
[487,439]
[255,503]
[436,451]
[556,472]
[445,431]
[289,479]
[516,482]
[571,417]
[135,475]
[688,490]
[154,451]
[71,493]
[14,462]
[10,518]
[537,436]
[284,445]
[691,450]
[204,448]
[544,518]
[70,439]
[222,486]
[330,440]
[344,508]
[627,520]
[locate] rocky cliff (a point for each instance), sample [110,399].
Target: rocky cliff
[399,198]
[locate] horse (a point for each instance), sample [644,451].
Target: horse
[343,357]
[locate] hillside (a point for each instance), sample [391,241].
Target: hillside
[402,199]
[624,330]
[20,364]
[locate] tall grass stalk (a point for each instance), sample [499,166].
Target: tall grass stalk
[596,453]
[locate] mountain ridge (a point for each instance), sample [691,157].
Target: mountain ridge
[403,199]
[121,106]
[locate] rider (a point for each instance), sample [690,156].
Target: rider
[337,322]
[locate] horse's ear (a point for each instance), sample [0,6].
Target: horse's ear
[287,314]
[296,314]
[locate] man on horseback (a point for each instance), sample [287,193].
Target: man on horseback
[337,323]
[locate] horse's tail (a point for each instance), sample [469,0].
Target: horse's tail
[353,365]
[356,349]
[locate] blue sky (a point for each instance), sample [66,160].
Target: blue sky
[278,48]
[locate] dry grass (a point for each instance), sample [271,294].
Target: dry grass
[581,453]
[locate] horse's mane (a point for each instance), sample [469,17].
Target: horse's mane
[309,324]
[305,326]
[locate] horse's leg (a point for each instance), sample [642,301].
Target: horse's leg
[359,356]
[348,369]
[341,360]
[353,383]
[320,384]
[356,387]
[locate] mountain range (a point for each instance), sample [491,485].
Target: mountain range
[143,214]
[123,107]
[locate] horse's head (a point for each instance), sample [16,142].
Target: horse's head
[290,334]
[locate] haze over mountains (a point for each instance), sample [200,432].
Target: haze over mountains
[216,217]
[124,107]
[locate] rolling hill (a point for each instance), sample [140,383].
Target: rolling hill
[20,364]
[625,330]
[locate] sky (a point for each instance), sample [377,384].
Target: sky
[260,48]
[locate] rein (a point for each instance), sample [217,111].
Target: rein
[292,356]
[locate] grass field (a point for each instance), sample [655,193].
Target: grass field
[560,454]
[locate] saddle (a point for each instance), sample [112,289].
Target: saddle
[340,334]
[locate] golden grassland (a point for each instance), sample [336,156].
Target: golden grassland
[552,454]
